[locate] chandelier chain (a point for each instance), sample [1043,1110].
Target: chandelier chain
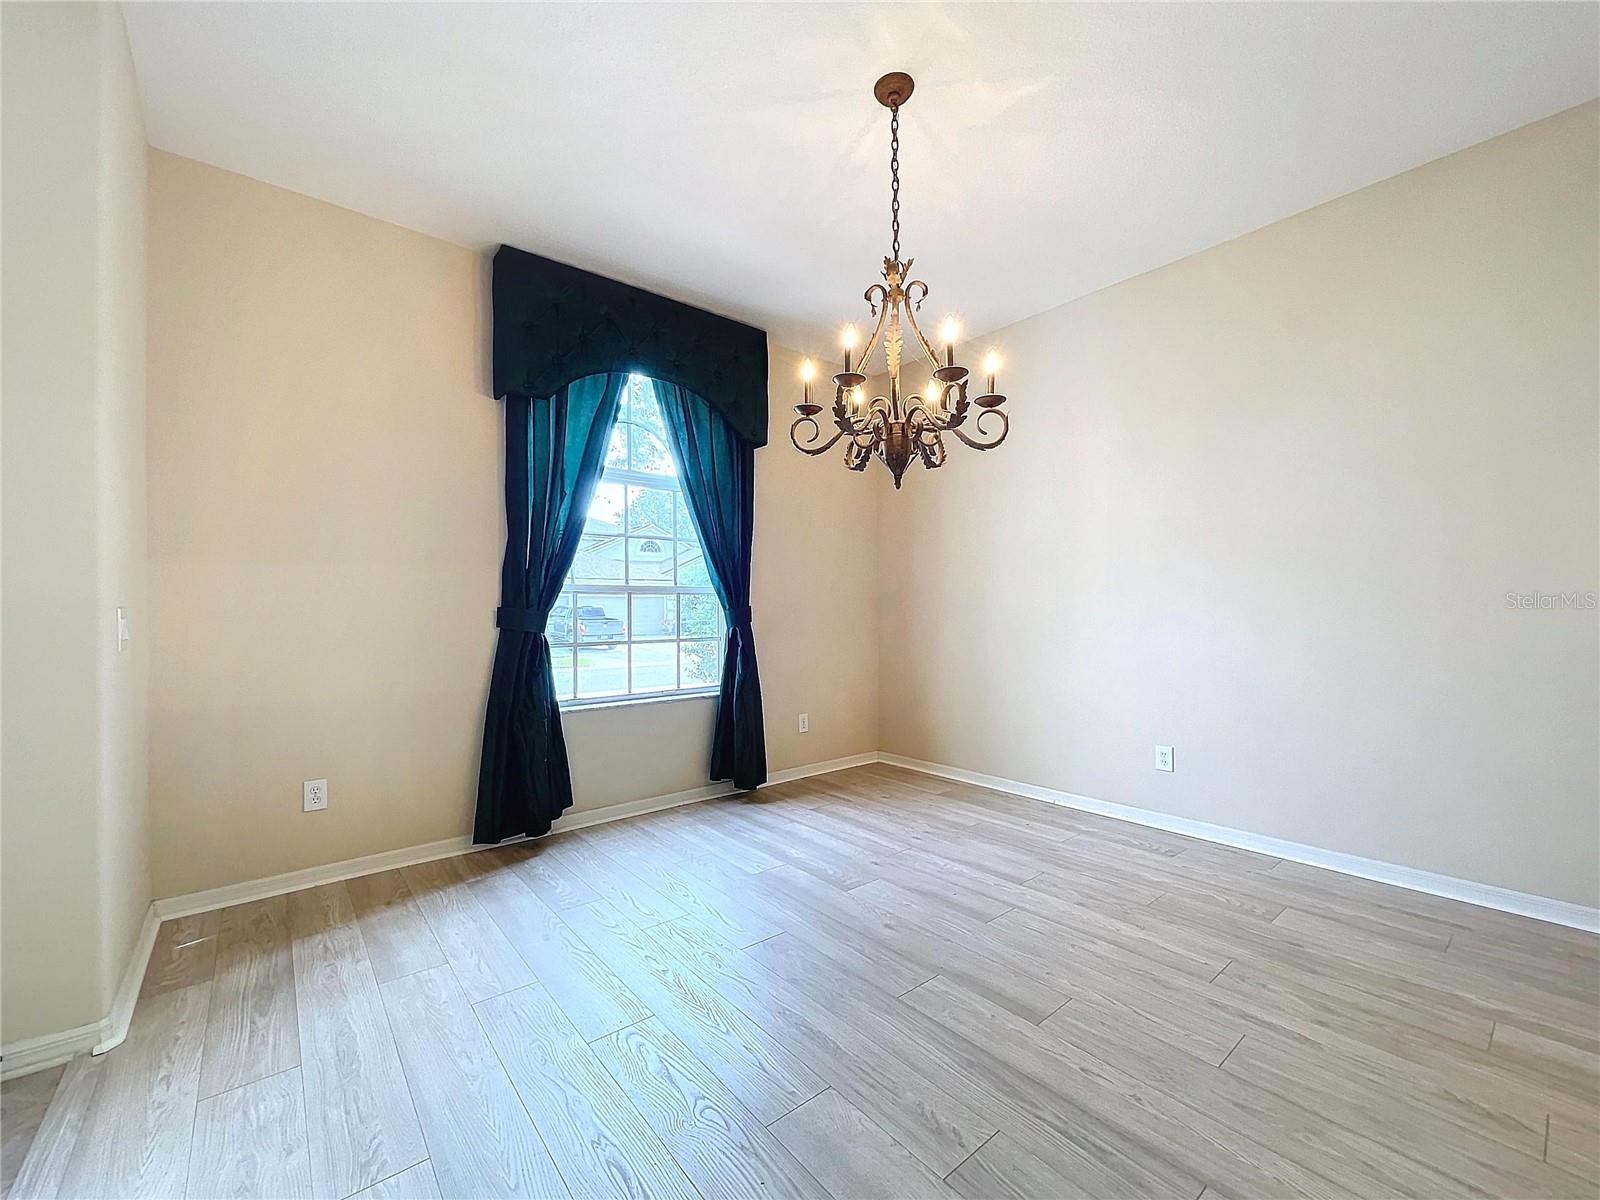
[894,176]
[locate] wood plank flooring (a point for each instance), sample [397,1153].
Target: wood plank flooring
[864,985]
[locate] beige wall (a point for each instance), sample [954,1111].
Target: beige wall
[1264,505]
[326,532]
[75,861]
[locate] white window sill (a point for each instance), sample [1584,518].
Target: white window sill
[599,702]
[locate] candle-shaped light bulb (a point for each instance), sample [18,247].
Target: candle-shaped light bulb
[808,372]
[848,339]
[949,331]
[935,393]
[991,368]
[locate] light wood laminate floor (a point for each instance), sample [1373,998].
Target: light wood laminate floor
[867,984]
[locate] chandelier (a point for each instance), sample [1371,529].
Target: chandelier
[899,428]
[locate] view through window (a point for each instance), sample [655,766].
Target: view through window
[637,615]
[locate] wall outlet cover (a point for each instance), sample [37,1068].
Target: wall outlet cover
[314,794]
[805,722]
[1164,759]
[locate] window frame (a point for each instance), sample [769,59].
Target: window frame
[627,477]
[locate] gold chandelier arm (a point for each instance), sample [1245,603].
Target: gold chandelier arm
[868,431]
[920,417]
[911,319]
[927,435]
[848,419]
[988,442]
[877,329]
[925,418]
[809,446]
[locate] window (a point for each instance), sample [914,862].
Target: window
[637,615]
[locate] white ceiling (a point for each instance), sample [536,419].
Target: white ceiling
[733,156]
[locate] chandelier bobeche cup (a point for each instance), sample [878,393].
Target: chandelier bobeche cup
[900,428]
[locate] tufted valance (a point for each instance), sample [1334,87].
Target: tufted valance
[554,324]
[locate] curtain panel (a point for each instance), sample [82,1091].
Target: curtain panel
[718,473]
[555,451]
[565,342]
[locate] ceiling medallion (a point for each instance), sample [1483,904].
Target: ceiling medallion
[899,428]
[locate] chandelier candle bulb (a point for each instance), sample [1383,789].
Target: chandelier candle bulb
[899,428]
[991,368]
[948,332]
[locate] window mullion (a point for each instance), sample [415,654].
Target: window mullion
[645,589]
[666,483]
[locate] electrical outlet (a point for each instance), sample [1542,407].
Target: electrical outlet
[1164,758]
[315,794]
[124,634]
[805,722]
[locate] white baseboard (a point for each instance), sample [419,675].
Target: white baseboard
[822,768]
[294,881]
[116,1022]
[1541,908]
[51,1049]
[28,1055]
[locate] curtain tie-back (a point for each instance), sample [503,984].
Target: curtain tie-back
[740,617]
[525,620]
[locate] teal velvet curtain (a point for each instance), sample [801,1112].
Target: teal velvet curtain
[555,451]
[717,469]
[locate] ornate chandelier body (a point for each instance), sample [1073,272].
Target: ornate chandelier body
[900,428]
